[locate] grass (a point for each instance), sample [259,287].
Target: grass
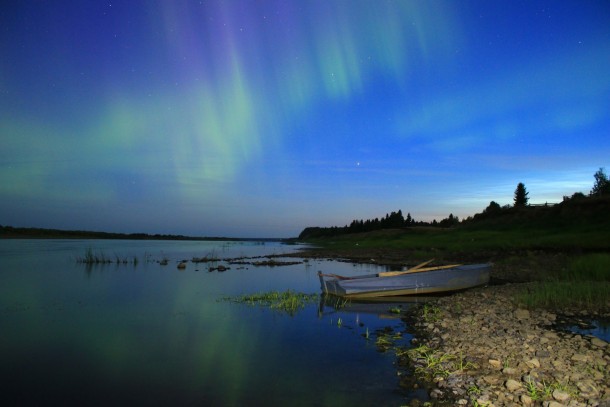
[431,313]
[585,295]
[591,267]
[90,258]
[544,391]
[288,301]
[386,340]
[422,240]
[583,284]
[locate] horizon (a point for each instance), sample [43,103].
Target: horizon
[259,119]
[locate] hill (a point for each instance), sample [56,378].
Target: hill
[577,224]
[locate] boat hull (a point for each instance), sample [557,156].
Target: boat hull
[428,282]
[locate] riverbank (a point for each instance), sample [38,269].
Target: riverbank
[481,348]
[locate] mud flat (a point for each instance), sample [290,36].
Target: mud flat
[478,348]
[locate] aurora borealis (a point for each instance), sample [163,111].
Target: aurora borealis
[259,118]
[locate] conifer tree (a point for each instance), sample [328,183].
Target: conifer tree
[521,195]
[602,184]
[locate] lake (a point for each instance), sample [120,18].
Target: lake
[150,334]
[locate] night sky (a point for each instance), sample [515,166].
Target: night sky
[259,118]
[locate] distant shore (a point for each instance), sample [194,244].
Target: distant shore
[10,232]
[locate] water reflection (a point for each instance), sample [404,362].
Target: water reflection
[599,328]
[152,334]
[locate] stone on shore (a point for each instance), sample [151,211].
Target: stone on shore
[514,356]
[512,385]
[600,343]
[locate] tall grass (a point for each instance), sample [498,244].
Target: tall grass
[592,267]
[583,284]
[90,258]
[583,295]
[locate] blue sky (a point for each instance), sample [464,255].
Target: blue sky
[259,118]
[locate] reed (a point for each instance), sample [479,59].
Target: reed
[288,301]
[590,267]
[584,283]
[97,258]
[585,295]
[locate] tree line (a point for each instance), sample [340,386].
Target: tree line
[396,220]
[393,220]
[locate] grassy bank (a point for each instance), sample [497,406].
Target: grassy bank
[566,250]
[584,284]
[460,240]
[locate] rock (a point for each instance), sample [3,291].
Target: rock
[521,314]
[493,333]
[560,395]
[436,394]
[491,379]
[526,400]
[484,402]
[600,343]
[579,357]
[512,385]
[509,371]
[533,363]
[496,364]
[587,388]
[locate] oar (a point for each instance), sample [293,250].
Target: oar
[419,270]
[338,277]
[421,265]
[411,270]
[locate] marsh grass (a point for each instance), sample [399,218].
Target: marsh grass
[97,258]
[386,339]
[591,267]
[585,295]
[288,301]
[583,284]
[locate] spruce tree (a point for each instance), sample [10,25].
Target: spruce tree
[521,194]
[602,184]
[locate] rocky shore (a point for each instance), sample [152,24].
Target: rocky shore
[477,348]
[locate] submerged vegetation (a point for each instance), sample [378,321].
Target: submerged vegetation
[288,301]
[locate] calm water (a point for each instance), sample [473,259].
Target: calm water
[151,334]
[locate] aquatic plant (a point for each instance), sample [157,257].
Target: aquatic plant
[286,301]
[395,310]
[90,258]
[386,339]
[335,301]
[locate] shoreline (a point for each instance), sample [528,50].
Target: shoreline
[497,354]
[479,348]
